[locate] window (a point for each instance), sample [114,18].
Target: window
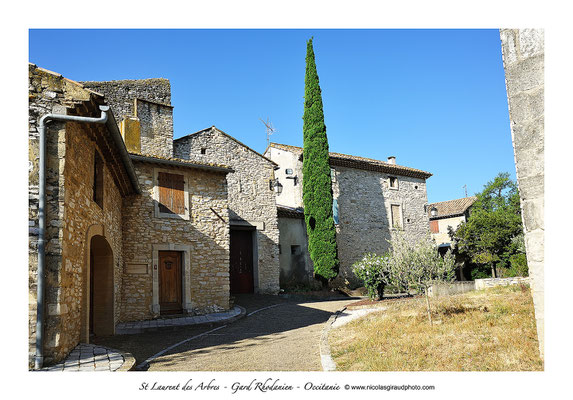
[98,180]
[396,215]
[288,171]
[393,182]
[335,210]
[203,150]
[434,228]
[171,194]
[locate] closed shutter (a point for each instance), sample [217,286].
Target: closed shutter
[335,210]
[396,221]
[434,228]
[171,193]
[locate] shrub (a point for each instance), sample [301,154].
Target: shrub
[373,271]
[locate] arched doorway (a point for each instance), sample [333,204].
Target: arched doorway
[101,319]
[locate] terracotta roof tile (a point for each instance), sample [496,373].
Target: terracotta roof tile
[346,160]
[451,208]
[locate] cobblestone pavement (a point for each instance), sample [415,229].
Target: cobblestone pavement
[89,357]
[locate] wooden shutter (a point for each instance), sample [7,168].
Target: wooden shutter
[171,193]
[335,210]
[434,228]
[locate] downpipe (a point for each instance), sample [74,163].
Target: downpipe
[44,120]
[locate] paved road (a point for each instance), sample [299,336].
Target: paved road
[283,337]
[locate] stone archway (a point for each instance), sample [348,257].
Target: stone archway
[98,253]
[101,318]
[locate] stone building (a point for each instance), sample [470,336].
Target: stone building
[254,226]
[448,214]
[131,233]
[523,60]
[372,199]
[445,215]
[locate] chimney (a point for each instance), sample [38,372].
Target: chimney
[392,160]
[131,133]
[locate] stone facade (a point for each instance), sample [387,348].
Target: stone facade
[147,101]
[251,199]
[523,61]
[203,238]
[103,230]
[71,211]
[364,198]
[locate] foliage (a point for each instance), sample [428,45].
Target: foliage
[491,235]
[317,186]
[373,270]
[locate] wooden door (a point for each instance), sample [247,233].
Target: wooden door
[170,282]
[241,258]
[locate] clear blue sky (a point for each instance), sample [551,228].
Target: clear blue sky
[435,99]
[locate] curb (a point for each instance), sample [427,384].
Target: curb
[326,360]
[135,331]
[128,360]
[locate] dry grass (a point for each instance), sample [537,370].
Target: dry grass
[489,330]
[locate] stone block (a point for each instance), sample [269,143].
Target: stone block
[531,42]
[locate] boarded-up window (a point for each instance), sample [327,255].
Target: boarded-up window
[434,228]
[98,180]
[396,218]
[171,193]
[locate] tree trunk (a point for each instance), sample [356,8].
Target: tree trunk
[428,308]
[493,271]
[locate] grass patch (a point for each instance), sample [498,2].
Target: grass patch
[488,330]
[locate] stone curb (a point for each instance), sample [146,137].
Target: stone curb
[135,331]
[326,360]
[128,360]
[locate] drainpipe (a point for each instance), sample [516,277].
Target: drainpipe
[39,361]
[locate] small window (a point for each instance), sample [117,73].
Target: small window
[98,180]
[393,182]
[335,210]
[171,193]
[288,171]
[203,150]
[280,249]
[396,216]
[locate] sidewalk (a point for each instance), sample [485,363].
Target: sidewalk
[89,357]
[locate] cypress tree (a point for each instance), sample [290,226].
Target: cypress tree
[316,183]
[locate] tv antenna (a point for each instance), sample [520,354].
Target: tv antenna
[465,190]
[270,130]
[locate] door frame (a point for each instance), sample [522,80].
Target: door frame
[255,242]
[179,257]
[185,250]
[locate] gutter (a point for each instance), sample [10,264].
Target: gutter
[39,360]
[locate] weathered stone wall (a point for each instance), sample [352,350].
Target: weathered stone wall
[523,61]
[492,282]
[204,232]
[80,213]
[250,198]
[364,201]
[150,101]
[69,211]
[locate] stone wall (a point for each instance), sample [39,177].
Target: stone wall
[492,282]
[204,234]
[148,100]
[251,201]
[69,212]
[447,289]
[364,201]
[296,265]
[523,61]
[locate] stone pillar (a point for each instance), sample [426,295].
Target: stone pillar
[523,56]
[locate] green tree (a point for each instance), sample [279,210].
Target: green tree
[491,235]
[316,183]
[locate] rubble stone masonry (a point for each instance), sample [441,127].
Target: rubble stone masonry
[206,233]
[250,198]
